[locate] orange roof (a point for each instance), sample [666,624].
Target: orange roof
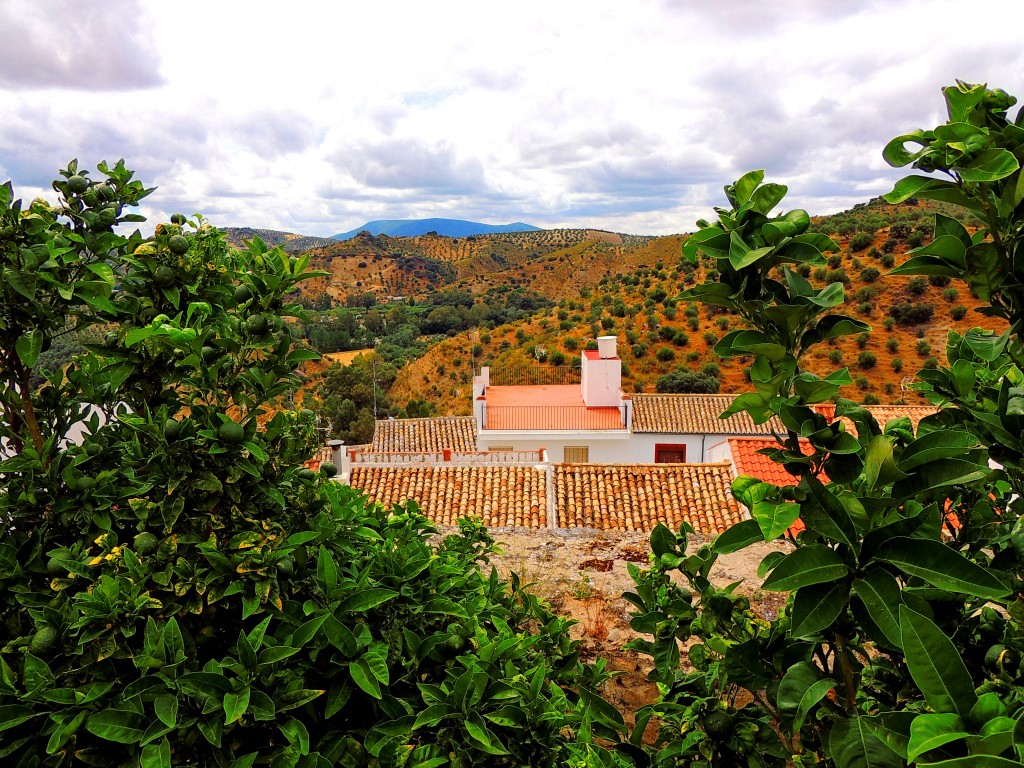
[546,406]
[499,496]
[457,433]
[885,413]
[636,497]
[748,461]
[695,415]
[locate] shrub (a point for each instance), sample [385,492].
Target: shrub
[665,354]
[835,261]
[869,274]
[892,344]
[640,349]
[692,356]
[179,577]
[870,399]
[863,338]
[887,260]
[867,360]
[571,343]
[939,281]
[917,285]
[897,364]
[680,339]
[710,339]
[959,312]
[861,241]
[711,369]
[889,323]
[951,294]
[862,382]
[835,356]
[906,313]
[865,308]
[682,381]
[923,347]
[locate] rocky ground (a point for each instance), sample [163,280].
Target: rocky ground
[583,574]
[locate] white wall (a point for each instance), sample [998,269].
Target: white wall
[606,451]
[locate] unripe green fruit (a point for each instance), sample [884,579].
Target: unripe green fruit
[178,245]
[242,294]
[172,430]
[44,642]
[84,484]
[718,725]
[146,543]
[177,218]
[54,569]
[306,474]
[93,449]
[256,325]
[209,354]
[77,184]
[285,566]
[231,433]
[328,468]
[164,276]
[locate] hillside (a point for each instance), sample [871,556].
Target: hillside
[627,289]
[291,242]
[444,227]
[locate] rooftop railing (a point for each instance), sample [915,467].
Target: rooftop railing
[535,375]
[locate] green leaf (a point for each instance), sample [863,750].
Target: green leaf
[827,514]
[814,694]
[852,744]
[814,564]
[156,755]
[929,732]
[880,594]
[816,607]
[28,346]
[935,665]
[122,726]
[990,165]
[235,705]
[14,714]
[941,444]
[663,541]
[978,761]
[879,466]
[795,683]
[363,676]
[941,566]
[166,708]
[738,536]
[739,193]
[366,599]
[775,518]
[433,715]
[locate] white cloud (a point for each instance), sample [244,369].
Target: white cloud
[626,116]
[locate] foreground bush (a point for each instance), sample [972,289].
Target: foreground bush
[902,637]
[179,590]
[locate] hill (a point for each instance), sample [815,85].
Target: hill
[444,227]
[288,240]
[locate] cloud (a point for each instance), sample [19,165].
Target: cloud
[68,44]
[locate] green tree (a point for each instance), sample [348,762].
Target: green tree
[179,590]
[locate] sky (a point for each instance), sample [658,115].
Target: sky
[316,117]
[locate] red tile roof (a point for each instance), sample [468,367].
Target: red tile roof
[694,415]
[457,433]
[636,497]
[499,496]
[748,461]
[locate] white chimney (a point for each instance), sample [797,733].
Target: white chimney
[606,347]
[601,375]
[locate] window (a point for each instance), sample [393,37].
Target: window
[577,454]
[669,453]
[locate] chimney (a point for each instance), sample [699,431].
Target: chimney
[601,375]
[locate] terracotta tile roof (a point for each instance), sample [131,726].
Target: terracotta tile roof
[499,496]
[636,497]
[457,433]
[694,415]
[886,413]
[748,461]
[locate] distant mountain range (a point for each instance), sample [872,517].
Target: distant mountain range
[446,227]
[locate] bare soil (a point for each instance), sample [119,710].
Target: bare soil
[582,573]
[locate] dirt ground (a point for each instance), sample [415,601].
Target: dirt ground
[582,573]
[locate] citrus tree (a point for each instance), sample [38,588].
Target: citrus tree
[902,635]
[179,590]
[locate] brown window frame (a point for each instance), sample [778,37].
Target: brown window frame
[659,447]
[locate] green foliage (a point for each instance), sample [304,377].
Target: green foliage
[861,241]
[180,591]
[683,380]
[901,638]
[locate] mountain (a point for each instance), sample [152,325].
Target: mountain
[446,227]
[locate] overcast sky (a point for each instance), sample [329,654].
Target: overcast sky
[629,116]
